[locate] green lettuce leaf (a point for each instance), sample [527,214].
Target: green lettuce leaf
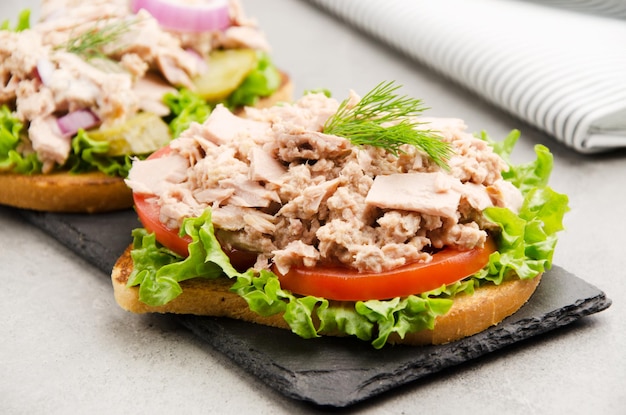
[185,107]
[11,130]
[527,240]
[158,271]
[261,82]
[525,248]
[90,155]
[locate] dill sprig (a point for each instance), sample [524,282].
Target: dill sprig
[90,44]
[386,120]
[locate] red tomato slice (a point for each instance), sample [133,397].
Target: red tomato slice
[334,283]
[447,266]
[148,212]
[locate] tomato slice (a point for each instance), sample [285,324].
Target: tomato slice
[148,211]
[446,267]
[333,283]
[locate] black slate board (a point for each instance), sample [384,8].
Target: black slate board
[99,239]
[332,372]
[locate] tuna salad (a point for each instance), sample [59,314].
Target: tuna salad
[95,65]
[278,185]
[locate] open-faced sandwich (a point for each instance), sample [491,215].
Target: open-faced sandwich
[93,84]
[356,218]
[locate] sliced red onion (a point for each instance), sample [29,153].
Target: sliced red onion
[70,123]
[45,68]
[199,16]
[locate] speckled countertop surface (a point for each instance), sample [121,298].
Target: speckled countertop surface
[67,348]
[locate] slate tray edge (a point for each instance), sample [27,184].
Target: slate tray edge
[293,386]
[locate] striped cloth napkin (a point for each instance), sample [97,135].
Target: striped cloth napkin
[561,69]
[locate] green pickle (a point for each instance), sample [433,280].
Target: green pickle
[142,134]
[226,71]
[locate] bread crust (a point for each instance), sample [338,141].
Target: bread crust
[470,314]
[65,192]
[92,192]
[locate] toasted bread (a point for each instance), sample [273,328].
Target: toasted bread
[470,314]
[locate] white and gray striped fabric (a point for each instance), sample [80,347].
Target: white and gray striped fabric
[560,69]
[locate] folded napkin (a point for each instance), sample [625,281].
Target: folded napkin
[559,69]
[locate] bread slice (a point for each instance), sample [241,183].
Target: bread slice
[64,192]
[470,314]
[87,192]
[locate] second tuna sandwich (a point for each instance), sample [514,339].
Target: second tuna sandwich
[93,84]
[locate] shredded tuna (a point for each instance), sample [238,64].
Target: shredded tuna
[243,37]
[295,253]
[150,91]
[430,193]
[248,193]
[264,167]
[153,176]
[223,126]
[279,186]
[48,141]
[504,194]
[33,101]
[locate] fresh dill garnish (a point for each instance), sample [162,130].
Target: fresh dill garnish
[386,120]
[90,44]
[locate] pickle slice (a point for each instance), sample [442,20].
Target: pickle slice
[226,71]
[144,133]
